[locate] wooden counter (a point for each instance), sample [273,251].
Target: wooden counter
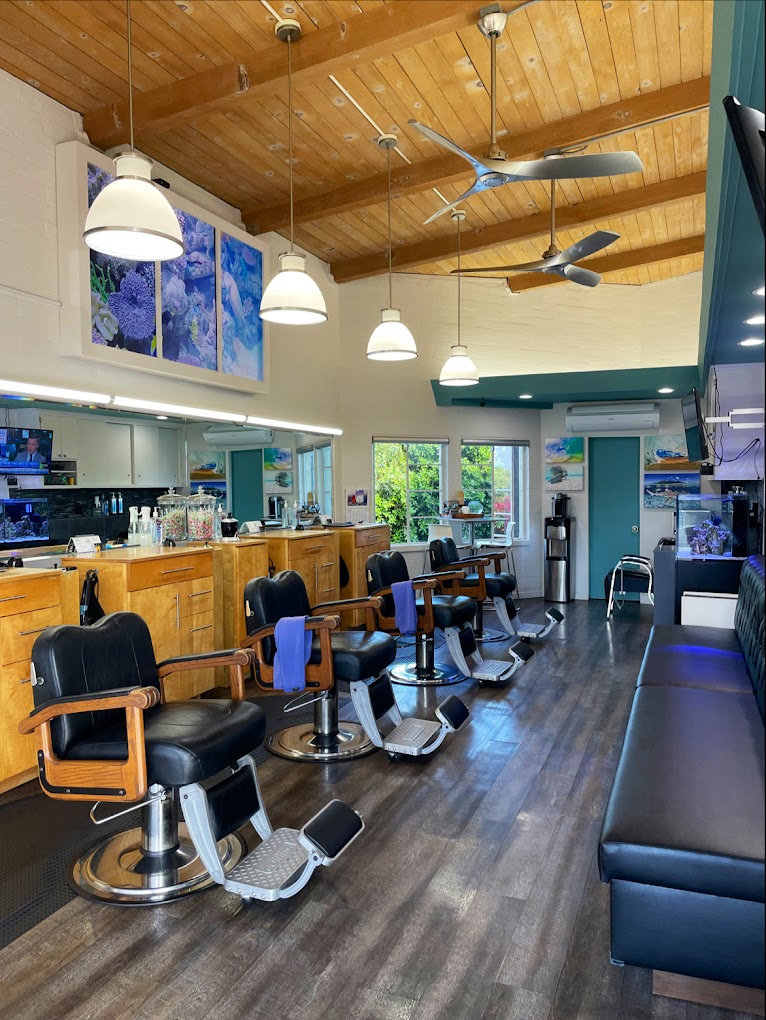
[30,601]
[356,544]
[175,590]
[240,560]
[313,553]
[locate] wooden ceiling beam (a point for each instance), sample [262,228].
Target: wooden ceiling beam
[625,115]
[615,263]
[526,228]
[327,51]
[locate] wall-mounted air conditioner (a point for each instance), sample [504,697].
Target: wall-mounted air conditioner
[612,417]
[226,437]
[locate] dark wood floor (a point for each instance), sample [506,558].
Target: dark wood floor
[472,895]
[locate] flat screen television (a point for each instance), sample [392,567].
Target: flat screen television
[25,451]
[694,426]
[747,127]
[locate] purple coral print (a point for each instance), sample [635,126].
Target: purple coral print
[241,290]
[189,328]
[122,302]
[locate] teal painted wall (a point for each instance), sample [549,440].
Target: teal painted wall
[247,484]
[614,493]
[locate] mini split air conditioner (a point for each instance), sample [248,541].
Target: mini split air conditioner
[612,417]
[227,437]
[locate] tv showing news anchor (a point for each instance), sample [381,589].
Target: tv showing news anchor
[25,451]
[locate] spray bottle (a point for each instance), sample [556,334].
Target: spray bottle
[134,533]
[146,526]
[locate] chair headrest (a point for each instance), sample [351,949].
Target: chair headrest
[385,569]
[269,599]
[442,552]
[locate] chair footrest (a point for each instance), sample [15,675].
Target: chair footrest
[493,671]
[411,736]
[271,870]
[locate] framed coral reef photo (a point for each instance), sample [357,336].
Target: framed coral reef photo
[193,318]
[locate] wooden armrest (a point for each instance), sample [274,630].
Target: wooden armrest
[348,605]
[203,660]
[319,677]
[476,561]
[124,697]
[445,575]
[313,623]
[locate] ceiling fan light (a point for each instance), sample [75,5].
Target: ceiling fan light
[458,369]
[292,298]
[131,218]
[391,340]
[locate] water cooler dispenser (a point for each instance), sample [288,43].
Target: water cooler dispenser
[559,568]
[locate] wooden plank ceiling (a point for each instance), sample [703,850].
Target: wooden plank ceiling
[568,71]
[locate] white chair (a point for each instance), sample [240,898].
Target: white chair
[506,543]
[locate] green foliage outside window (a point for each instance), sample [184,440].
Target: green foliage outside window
[408,487]
[487,475]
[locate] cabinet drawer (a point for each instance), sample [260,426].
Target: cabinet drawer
[169,570]
[314,547]
[29,593]
[196,597]
[379,537]
[17,752]
[18,633]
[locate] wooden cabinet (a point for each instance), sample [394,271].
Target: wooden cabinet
[174,591]
[30,601]
[239,562]
[355,545]
[314,554]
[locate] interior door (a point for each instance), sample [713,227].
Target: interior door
[614,491]
[247,502]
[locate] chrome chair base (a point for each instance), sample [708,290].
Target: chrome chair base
[441,675]
[303,743]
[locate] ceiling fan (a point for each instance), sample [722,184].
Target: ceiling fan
[560,262]
[494,169]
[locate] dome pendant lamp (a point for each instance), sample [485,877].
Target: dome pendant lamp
[131,218]
[292,298]
[458,369]
[391,340]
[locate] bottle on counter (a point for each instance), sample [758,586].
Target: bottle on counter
[145,526]
[119,503]
[200,516]
[173,515]
[113,503]
[97,505]
[134,534]
[156,527]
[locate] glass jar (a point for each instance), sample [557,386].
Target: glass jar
[200,516]
[173,515]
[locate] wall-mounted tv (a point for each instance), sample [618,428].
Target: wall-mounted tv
[747,126]
[25,451]
[694,426]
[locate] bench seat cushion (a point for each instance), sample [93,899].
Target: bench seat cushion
[686,809]
[684,656]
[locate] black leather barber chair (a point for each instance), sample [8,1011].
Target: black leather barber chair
[479,583]
[103,733]
[447,612]
[339,655]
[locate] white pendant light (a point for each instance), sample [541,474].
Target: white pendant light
[458,369]
[131,218]
[390,340]
[292,298]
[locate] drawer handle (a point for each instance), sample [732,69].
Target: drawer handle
[12,598]
[176,570]
[314,548]
[194,630]
[330,564]
[195,594]
[37,630]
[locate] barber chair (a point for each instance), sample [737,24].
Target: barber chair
[497,586]
[104,733]
[631,574]
[335,655]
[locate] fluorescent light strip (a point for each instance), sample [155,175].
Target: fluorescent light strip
[178,410]
[274,423]
[54,393]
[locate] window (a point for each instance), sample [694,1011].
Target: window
[315,475]
[409,481]
[497,476]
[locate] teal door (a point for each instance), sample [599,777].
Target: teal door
[247,485]
[614,492]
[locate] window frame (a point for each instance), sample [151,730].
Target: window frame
[409,518]
[521,528]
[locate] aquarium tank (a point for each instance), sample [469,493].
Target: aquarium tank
[24,520]
[711,527]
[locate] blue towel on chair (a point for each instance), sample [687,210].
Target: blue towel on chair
[293,651]
[405,607]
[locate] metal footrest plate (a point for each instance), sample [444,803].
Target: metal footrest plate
[274,865]
[411,736]
[492,670]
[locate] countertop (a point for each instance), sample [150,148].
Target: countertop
[137,552]
[20,573]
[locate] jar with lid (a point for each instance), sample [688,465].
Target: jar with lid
[200,516]
[173,508]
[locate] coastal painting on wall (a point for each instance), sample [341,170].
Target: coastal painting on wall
[565,450]
[207,466]
[122,301]
[564,477]
[662,487]
[241,290]
[277,470]
[189,326]
[668,453]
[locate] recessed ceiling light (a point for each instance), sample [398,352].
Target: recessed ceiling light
[666,389]
[760,292]
[162,417]
[755,320]
[525,396]
[752,341]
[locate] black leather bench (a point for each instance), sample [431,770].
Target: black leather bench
[682,844]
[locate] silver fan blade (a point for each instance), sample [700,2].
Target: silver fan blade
[589,245]
[447,144]
[541,266]
[577,274]
[562,168]
[477,187]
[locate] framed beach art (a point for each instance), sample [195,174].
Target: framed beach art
[564,463]
[277,470]
[193,318]
[668,472]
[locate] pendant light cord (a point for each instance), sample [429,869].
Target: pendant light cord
[130,80]
[553,213]
[459,338]
[390,260]
[290,134]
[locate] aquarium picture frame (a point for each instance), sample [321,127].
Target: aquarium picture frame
[72,159]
